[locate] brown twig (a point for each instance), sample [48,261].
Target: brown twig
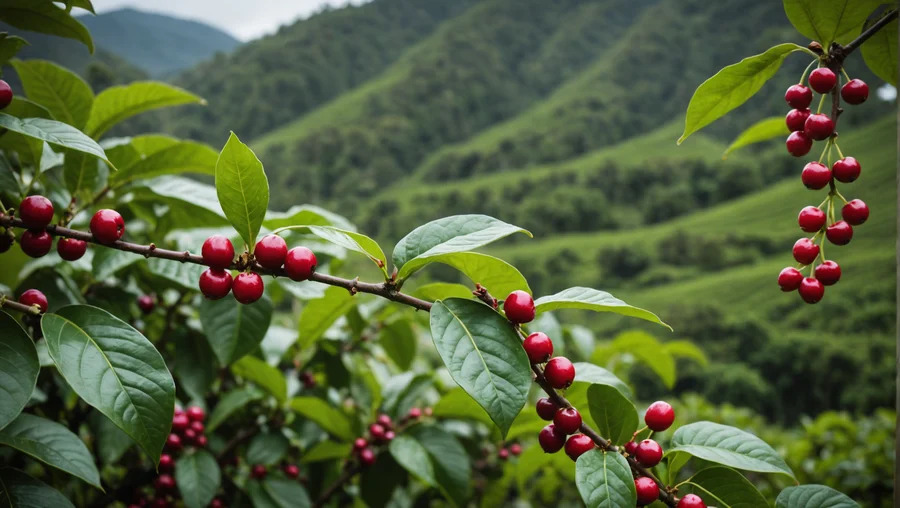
[6,303]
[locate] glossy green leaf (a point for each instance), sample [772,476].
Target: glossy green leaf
[52,444]
[263,375]
[195,364]
[242,188]
[198,476]
[191,204]
[763,130]
[53,132]
[234,329]
[276,343]
[180,157]
[115,369]
[592,374]
[813,496]
[326,450]
[111,441]
[328,418]
[319,314]
[378,484]
[118,103]
[10,46]
[349,240]
[483,355]
[728,446]
[277,493]
[686,349]
[46,18]
[19,368]
[498,276]
[592,299]
[647,350]
[399,342]
[106,262]
[267,448]
[84,175]
[724,487]
[65,95]
[829,20]
[732,86]
[182,275]
[604,480]
[442,290]
[18,490]
[615,415]
[30,150]
[880,53]
[306,214]
[231,403]
[452,470]
[410,454]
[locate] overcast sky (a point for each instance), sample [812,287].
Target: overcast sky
[241,18]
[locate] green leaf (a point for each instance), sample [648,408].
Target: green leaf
[685,349]
[615,415]
[10,46]
[190,204]
[347,239]
[604,480]
[326,450]
[330,419]
[410,454]
[52,444]
[399,342]
[115,369]
[242,188]
[728,446]
[65,95]
[112,443]
[106,262]
[84,175]
[18,490]
[724,487]
[458,233]
[183,275]
[498,276]
[452,470]
[442,290]
[19,368]
[46,18]
[234,329]
[267,448]
[484,356]
[648,351]
[321,313]
[880,53]
[198,478]
[179,157]
[829,20]
[459,405]
[306,214]
[263,375]
[117,103]
[232,402]
[763,130]
[55,133]
[378,484]
[277,493]
[195,365]
[276,343]
[592,374]
[592,299]
[732,86]
[813,496]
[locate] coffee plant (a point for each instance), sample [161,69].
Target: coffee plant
[132,378]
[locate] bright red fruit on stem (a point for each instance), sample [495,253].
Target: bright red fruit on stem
[519,307]
[6,94]
[5,242]
[164,482]
[811,290]
[839,233]
[299,263]
[578,445]
[691,501]
[503,454]
[822,80]
[217,252]
[201,441]
[367,457]
[855,212]
[36,212]
[215,283]
[828,273]
[815,176]
[538,347]
[846,170]
[647,490]
[798,144]
[166,462]
[180,422]
[551,439]
[648,453]
[36,243]
[560,372]
[515,449]
[248,287]
[796,119]
[173,443]
[258,471]
[34,297]
[197,426]
[360,443]
[146,303]
[855,91]
[631,448]
[415,413]
[385,421]
[811,219]
[71,249]
[789,279]
[107,226]
[389,435]
[805,251]
[270,251]
[546,409]
[659,416]
[195,414]
[818,127]
[567,420]
[377,432]
[291,471]
[798,96]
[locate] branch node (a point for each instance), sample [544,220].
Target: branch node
[352,287]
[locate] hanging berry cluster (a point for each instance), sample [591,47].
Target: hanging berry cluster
[805,128]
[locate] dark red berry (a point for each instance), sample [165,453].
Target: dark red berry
[164,482]
[71,249]
[691,501]
[798,144]
[385,421]
[195,414]
[815,176]
[198,427]
[567,420]
[107,226]
[166,462]
[173,443]
[377,432]
[36,212]
[215,283]
[217,503]
[578,445]
[180,422]
[162,502]
[560,372]
[291,471]
[789,279]
[300,263]
[796,119]
[546,409]
[855,91]
[6,241]
[805,251]
[631,448]
[648,453]
[515,449]
[389,435]
[822,80]
[415,413]
[189,435]
[258,471]
[146,303]
[218,252]
[659,416]
[846,170]
[818,127]
[811,290]
[6,94]
[360,443]
[36,242]
[538,347]
[308,379]
[34,297]
[519,307]
[839,233]
[647,490]
[798,96]
[270,251]
[367,457]
[248,287]
[201,441]
[503,454]
[855,212]
[811,219]
[551,439]
[828,273]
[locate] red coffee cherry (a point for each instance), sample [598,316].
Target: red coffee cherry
[503,454]
[367,457]
[691,501]
[389,436]
[631,448]
[538,347]
[5,241]
[189,435]
[36,212]
[6,94]
[248,287]
[839,233]
[560,372]
[567,420]
[270,251]
[217,503]
[173,443]
[828,273]
[811,290]
[300,263]
[577,445]
[166,462]
[659,416]
[818,127]
[71,249]
[291,471]
[201,441]
[811,219]
[551,439]
[180,422]
[414,413]
[385,421]
[515,449]
[215,284]
[107,226]
[218,252]
[648,453]
[815,176]
[796,119]
[519,307]
[789,279]
[36,242]
[164,482]
[855,212]
[647,490]
[546,409]
[258,471]
[146,303]
[798,144]
[34,297]
[360,443]
[855,91]
[805,251]
[846,170]
[798,96]
[195,414]
[377,432]
[822,80]
[198,427]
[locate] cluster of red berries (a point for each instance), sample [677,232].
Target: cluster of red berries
[271,252]
[514,449]
[34,297]
[187,429]
[260,471]
[36,212]
[806,126]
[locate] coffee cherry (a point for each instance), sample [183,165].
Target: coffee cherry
[815,176]
[299,263]
[578,445]
[189,435]
[559,372]
[385,421]
[789,279]
[198,427]
[367,457]
[201,441]
[6,241]
[248,287]
[36,212]
[691,501]
[798,96]
[839,233]
[6,94]
[503,454]
[146,303]
[308,379]
[166,462]
[360,443]
[855,91]
[551,439]
[291,471]
[828,273]
[515,449]
[164,482]
[389,436]
[71,249]
[811,219]
[798,144]
[180,423]
[519,307]
[270,251]
[377,432]
[195,414]
[855,212]
[217,503]
[567,420]
[173,443]
[846,170]
[631,448]
[805,251]
[258,471]
[811,290]
[647,490]
[217,252]
[414,413]
[107,226]
[34,297]
[215,284]
[648,453]
[659,416]
[546,409]
[538,347]
[36,242]
[822,80]
[796,119]
[818,127]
